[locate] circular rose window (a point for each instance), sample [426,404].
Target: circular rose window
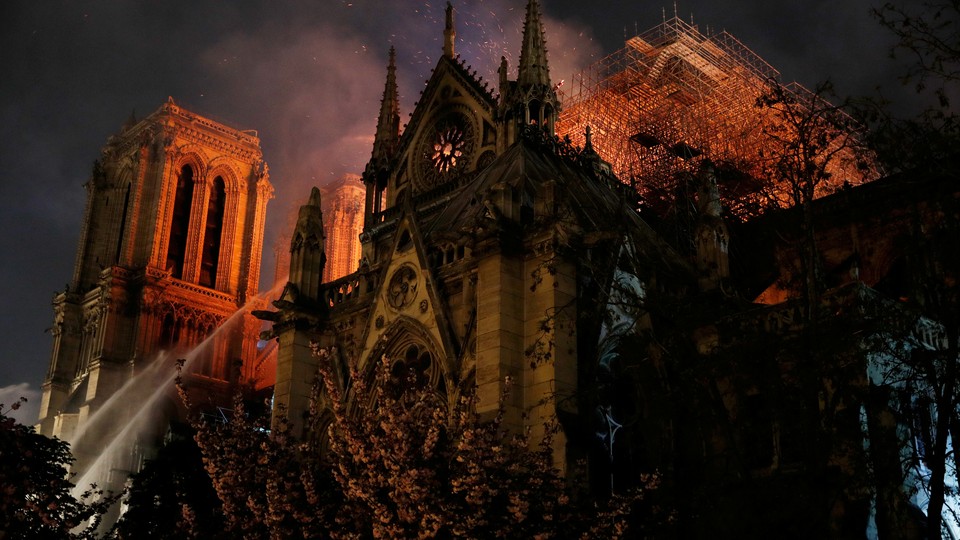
[445,149]
[403,287]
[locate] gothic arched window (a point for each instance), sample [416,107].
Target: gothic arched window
[123,223]
[409,370]
[169,331]
[210,257]
[180,224]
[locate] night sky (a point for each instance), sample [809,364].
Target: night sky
[308,76]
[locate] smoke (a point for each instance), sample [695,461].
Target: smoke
[312,91]
[28,412]
[312,97]
[307,75]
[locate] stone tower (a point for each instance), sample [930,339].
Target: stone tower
[343,203]
[170,247]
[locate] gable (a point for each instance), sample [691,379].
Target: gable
[407,305]
[451,131]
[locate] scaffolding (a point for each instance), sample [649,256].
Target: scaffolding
[673,97]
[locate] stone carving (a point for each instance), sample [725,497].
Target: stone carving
[445,150]
[403,287]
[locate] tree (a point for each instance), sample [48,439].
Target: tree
[811,141]
[386,457]
[930,367]
[928,33]
[927,142]
[269,484]
[36,495]
[172,494]
[926,146]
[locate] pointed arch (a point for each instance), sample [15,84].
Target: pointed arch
[410,347]
[193,156]
[227,169]
[124,187]
[228,216]
[180,219]
[213,233]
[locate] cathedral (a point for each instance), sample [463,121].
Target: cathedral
[684,338]
[754,360]
[464,211]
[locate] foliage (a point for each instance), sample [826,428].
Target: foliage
[927,365]
[928,32]
[812,141]
[386,457]
[36,495]
[171,495]
[270,485]
[926,145]
[424,469]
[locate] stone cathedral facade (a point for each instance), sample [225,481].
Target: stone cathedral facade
[170,247]
[467,274]
[493,251]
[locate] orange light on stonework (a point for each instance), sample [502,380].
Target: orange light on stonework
[448,149]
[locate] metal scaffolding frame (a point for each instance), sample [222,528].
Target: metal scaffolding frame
[673,97]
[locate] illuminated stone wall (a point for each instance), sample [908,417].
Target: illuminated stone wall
[343,223]
[170,248]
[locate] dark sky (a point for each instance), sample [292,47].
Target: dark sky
[307,75]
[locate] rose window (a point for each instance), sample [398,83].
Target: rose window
[448,149]
[403,287]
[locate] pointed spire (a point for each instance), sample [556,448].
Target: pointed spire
[307,257]
[533,69]
[385,142]
[590,156]
[314,200]
[388,124]
[131,120]
[449,34]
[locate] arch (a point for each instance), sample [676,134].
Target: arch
[409,345]
[193,156]
[549,114]
[180,220]
[534,112]
[124,186]
[228,171]
[213,234]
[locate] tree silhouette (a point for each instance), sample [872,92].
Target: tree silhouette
[386,457]
[36,494]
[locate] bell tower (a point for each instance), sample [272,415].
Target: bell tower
[170,248]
